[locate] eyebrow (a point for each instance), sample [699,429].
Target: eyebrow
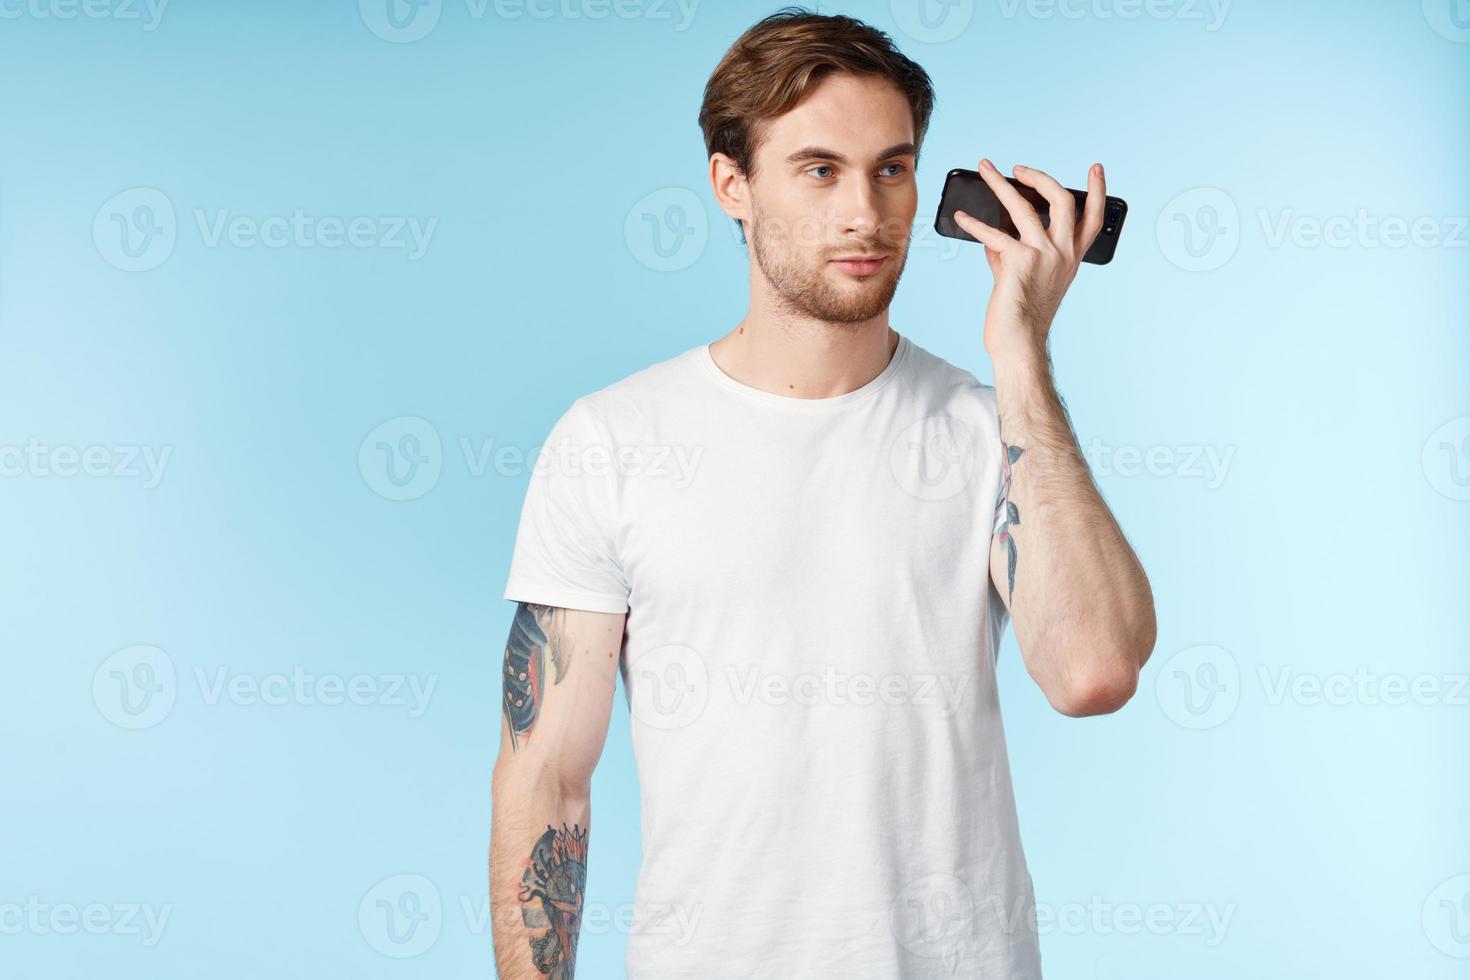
[822,153]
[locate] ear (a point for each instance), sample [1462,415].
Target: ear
[731,189]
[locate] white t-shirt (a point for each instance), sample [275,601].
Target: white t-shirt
[809,661]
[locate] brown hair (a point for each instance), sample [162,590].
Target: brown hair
[773,65]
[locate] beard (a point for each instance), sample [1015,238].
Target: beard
[807,290]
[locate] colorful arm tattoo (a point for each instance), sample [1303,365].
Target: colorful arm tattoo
[534,633]
[551,899]
[1009,455]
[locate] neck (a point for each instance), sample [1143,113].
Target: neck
[803,358]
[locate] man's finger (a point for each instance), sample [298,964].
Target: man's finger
[985,234]
[1028,222]
[1061,205]
[1092,211]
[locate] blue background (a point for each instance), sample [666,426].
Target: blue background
[546,144]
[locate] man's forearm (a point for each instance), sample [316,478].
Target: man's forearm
[1080,601]
[538,870]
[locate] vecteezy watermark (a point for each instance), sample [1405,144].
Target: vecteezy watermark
[401,916]
[668,687]
[667,230]
[935,457]
[305,689]
[147,13]
[298,229]
[406,21]
[751,684]
[404,915]
[679,921]
[934,916]
[921,236]
[1446,459]
[136,230]
[1199,687]
[932,21]
[137,687]
[1208,464]
[1211,13]
[403,458]
[671,685]
[1363,229]
[1363,686]
[677,464]
[39,460]
[1101,917]
[1446,916]
[1199,230]
[1450,19]
[142,920]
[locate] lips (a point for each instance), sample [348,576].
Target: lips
[860,265]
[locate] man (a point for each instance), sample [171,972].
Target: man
[806,610]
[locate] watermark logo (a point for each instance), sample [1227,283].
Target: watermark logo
[38,460]
[142,920]
[677,464]
[300,687]
[1207,921]
[1199,687]
[1212,13]
[1363,687]
[1446,459]
[136,230]
[402,458]
[148,12]
[135,688]
[1362,229]
[302,230]
[401,916]
[932,21]
[405,21]
[1446,917]
[668,687]
[667,230]
[933,916]
[1208,464]
[1450,19]
[400,21]
[1199,230]
[944,693]
[934,458]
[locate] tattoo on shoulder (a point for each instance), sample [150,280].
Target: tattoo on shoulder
[551,898]
[1009,455]
[536,635]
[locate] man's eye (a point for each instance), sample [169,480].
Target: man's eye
[820,166]
[898,168]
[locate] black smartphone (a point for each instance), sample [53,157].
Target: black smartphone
[967,191]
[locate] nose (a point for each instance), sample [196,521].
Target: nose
[859,215]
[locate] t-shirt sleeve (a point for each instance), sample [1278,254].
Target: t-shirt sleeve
[564,552]
[1000,506]
[991,439]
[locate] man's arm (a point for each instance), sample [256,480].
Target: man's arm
[558,682]
[1082,606]
[1079,598]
